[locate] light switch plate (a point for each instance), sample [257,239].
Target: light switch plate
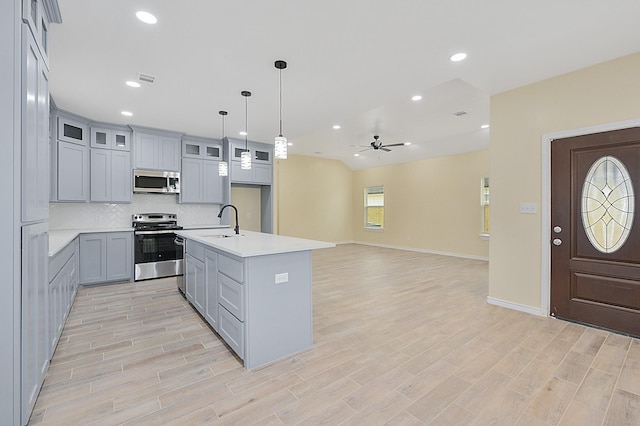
[282,278]
[528,208]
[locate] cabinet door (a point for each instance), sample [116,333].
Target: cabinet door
[240,175]
[121,140]
[199,296]
[93,258]
[34,321]
[119,256]
[211,182]
[191,181]
[70,130]
[100,175]
[168,153]
[35,136]
[101,138]
[190,277]
[211,288]
[73,172]
[262,173]
[121,177]
[146,151]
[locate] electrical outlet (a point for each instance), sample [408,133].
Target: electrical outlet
[528,208]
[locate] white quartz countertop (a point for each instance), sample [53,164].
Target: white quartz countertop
[59,238]
[249,244]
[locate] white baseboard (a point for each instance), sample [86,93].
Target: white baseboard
[419,250]
[516,306]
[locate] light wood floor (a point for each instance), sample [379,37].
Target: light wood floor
[401,338]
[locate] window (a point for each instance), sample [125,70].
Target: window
[374,207]
[484,204]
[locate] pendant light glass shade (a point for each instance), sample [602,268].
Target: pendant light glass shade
[280,141]
[281,148]
[245,157]
[223,167]
[245,160]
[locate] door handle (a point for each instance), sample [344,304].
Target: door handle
[557,241]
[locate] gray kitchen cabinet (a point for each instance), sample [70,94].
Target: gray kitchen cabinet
[106,257]
[195,276]
[261,172]
[72,172]
[208,149]
[35,353]
[156,150]
[35,139]
[71,129]
[110,176]
[63,283]
[200,181]
[110,138]
[211,308]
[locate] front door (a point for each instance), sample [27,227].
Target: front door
[595,229]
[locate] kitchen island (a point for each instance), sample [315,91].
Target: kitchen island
[254,289]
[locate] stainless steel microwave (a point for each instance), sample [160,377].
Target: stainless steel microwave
[156,181]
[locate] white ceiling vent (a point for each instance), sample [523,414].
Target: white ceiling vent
[146,78]
[460,113]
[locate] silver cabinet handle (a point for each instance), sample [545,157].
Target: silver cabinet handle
[557,242]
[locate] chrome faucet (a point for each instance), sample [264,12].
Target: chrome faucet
[237,228]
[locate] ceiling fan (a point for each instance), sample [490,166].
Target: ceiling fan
[377,144]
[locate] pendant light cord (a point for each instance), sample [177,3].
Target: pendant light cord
[280,102]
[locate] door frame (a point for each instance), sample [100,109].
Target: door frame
[545,219]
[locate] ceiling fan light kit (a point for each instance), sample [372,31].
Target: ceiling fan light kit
[377,144]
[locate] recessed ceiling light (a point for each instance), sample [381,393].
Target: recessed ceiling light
[484,126]
[242,133]
[458,57]
[336,126]
[356,155]
[407,143]
[290,143]
[133,84]
[146,17]
[126,113]
[416,98]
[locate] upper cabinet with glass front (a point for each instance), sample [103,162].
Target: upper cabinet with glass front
[33,14]
[205,149]
[110,137]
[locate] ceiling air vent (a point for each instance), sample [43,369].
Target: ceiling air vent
[460,113]
[146,78]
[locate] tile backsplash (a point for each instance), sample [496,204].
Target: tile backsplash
[106,215]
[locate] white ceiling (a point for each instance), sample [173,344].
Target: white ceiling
[351,62]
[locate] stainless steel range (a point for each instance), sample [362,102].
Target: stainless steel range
[158,251]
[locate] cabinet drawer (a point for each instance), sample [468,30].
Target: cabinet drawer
[231,296]
[232,331]
[231,267]
[196,250]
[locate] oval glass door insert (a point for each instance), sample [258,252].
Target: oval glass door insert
[607,204]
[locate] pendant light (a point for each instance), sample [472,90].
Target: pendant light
[223,167]
[245,157]
[280,141]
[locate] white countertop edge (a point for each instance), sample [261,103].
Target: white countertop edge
[251,244]
[59,238]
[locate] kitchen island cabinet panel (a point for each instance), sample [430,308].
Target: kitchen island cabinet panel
[211,289]
[263,286]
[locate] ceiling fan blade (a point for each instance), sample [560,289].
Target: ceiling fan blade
[385,149]
[363,150]
[395,144]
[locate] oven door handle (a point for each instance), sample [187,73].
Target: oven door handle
[168,231]
[179,241]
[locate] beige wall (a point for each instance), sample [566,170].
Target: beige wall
[605,93]
[431,204]
[313,198]
[247,200]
